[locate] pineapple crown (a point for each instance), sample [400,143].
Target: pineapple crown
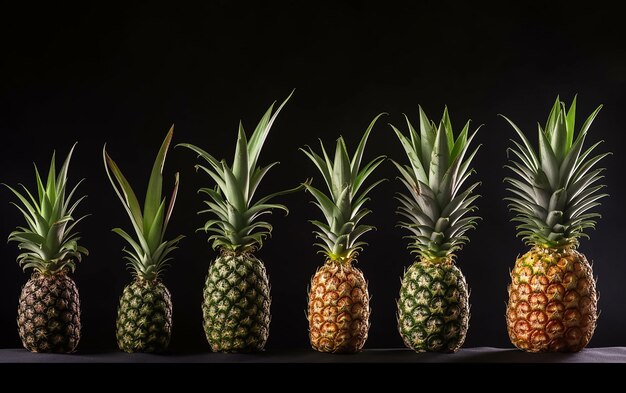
[48,242]
[237,227]
[149,253]
[557,187]
[437,205]
[343,207]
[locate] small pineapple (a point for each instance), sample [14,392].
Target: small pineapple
[338,297]
[433,310]
[49,307]
[552,297]
[236,306]
[144,315]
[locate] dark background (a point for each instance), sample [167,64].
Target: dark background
[97,73]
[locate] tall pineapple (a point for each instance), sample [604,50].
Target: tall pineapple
[433,310]
[338,297]
[49,308]
[144,315]
[236,306]
[552,297]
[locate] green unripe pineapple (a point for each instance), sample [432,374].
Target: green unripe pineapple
[236,304]
[236,293]
[144,315]
[433,309]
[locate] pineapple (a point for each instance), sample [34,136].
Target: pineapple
[552,297]
[236,306]
[339,308]
[144,315]
[433,309]
[49,307]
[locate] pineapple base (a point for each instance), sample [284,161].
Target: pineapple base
[552,301]
[338,309]
[48,315]
[236,306]
[433,309]
[144,317]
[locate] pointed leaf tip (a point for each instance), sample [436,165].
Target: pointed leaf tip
[155,184]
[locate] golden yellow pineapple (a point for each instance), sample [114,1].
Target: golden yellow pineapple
[338,308]
[552,297]
[552,301]
[338,298]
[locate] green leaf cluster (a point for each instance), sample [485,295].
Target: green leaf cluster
[236,225]
[556,187]
[437,205]
[48,241]
[149,252]
[343,206]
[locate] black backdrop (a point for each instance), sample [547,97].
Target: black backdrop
[101,74]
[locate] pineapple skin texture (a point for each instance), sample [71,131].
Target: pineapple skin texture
[144,317]
[433,309]
[552,301]
[236,306]
[49,314]
[338,309]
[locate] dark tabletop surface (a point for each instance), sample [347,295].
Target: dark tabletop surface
[469,355]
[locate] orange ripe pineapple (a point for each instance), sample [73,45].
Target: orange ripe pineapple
[338,297]
[338,308]
[552,297]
